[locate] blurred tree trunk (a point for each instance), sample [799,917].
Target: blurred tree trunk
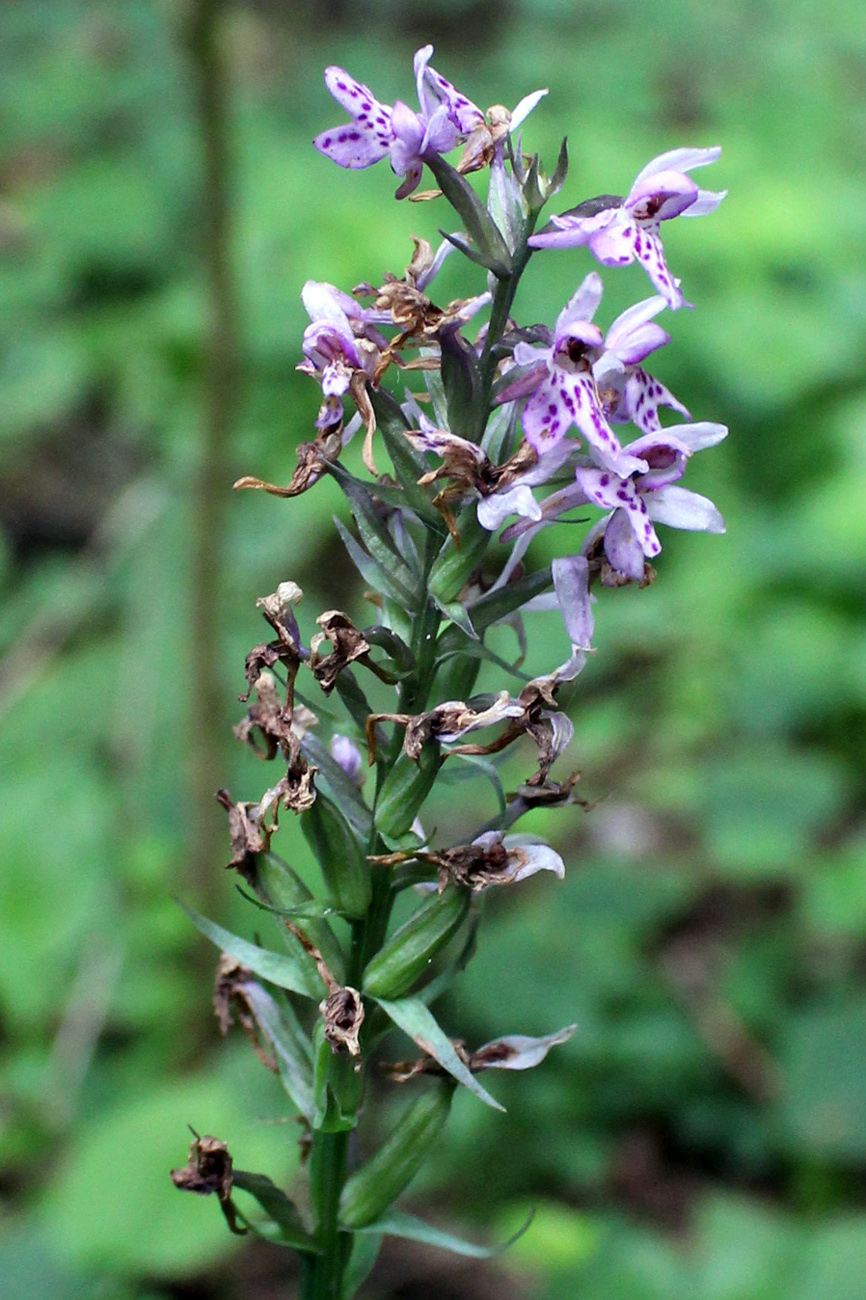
[220,395]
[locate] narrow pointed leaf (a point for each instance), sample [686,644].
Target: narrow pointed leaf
[283,1213]
[397,1224]
[557,180]
[408,464]
[366,1244]
[290,1044]
[373,531]
[499,604]
[418,1021]
[480,226]
[376,577]
[455,611]
[470,251]
[297,973]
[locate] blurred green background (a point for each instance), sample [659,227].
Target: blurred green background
[703,1136]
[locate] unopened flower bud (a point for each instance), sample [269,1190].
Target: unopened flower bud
[346,754]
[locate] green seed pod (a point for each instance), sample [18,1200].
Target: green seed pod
[368,1193]
[404,790]
[279,885]
[410,949]
[454,565]
[340,856]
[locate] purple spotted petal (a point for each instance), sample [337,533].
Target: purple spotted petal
[643,396]
[622,547]
[546,417]
[649,252]
[358,100]
[612,493]
[679,508]
[352,146]
[465,115]
[614,242]
[587,414]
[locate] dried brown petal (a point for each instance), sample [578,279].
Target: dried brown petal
[231,1002]
[208,1170]
[343,1014]
[249,834]
[313,460]
[349,644]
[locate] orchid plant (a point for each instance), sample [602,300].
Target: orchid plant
[489,439]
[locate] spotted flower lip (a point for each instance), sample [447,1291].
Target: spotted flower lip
[627,392]
[622,230]
[561,387]
[638,502]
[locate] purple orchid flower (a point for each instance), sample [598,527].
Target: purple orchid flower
[637,502]
[619,230]
[562,390]
[627,392]
[445,119]
[340,341]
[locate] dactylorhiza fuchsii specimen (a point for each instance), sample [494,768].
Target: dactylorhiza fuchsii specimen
[481,431]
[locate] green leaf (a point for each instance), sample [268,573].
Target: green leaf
[408,463]
[284,1215]
[480,226]
[418,1021]
[297,973]
[397,1224]
[497,605]
[374,533]
[291,1047]
[375,576]
[366,1244]
[453,610]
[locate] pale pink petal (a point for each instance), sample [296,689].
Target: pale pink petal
[679,508]
[680,160]
[622,548]
[518,1052]
[582,306]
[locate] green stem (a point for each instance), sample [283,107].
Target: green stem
[323,1279]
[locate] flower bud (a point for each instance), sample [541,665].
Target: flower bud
[404,790]
[406,955]
[347,755]
[370,1191]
